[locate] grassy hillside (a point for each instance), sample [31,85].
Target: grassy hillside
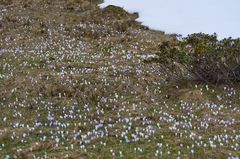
[74,84]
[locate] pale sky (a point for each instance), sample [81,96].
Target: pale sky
[187,16]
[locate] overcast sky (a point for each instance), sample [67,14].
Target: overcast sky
[187,16]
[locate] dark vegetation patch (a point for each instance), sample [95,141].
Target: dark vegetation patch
[201,57]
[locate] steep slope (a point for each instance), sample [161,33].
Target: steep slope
[73,84]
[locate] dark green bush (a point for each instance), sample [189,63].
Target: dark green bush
[121,27]
[201,57]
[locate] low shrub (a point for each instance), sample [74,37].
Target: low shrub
[201,57]
[121,27]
